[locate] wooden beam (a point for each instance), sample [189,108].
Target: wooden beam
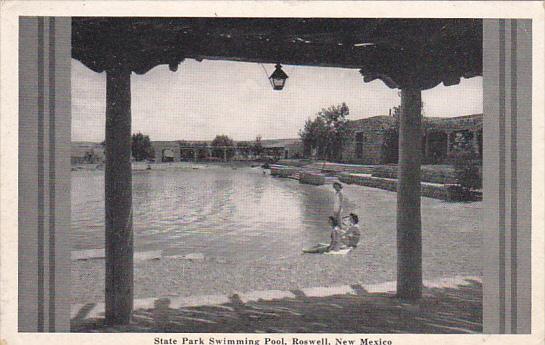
[118,198]
[434,51]
[409,228]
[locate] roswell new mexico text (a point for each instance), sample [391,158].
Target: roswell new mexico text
[268,341]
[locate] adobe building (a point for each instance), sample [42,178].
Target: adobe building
[443,135]
[283,148]
[166,151]
[375,139]
[369,141]
[176,151]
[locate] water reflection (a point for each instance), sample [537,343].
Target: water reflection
[241,216]
[218,211]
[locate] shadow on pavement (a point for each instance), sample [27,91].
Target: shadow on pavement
[441,310]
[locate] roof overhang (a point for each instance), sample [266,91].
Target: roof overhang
[403,53]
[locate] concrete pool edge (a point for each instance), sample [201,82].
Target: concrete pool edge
[96,310]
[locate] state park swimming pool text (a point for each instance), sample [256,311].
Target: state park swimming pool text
[269,341]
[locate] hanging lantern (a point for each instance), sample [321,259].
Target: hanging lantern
[278,78]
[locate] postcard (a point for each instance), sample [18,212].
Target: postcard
[272,173]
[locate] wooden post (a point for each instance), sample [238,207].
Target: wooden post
[225,154]
[118,195]
[195,154]
[409,228]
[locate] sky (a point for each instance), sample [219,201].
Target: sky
[203,99]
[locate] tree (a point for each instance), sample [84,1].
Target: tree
[141,147]
[397,110]
[221,142]
[328,132]
[338,130]
[314,136]
[307,138]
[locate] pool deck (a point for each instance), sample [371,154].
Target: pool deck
[447,307]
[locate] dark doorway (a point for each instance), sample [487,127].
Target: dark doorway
[359,145]
[437,147]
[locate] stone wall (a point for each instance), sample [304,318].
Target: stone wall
[428,174]
[282,171]
[312,178]
[427,190]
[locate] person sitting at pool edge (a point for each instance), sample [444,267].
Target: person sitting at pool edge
[351,236]
[334,245]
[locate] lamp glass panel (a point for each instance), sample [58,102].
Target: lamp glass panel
[278,82]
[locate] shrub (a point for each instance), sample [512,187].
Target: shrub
[467,170]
